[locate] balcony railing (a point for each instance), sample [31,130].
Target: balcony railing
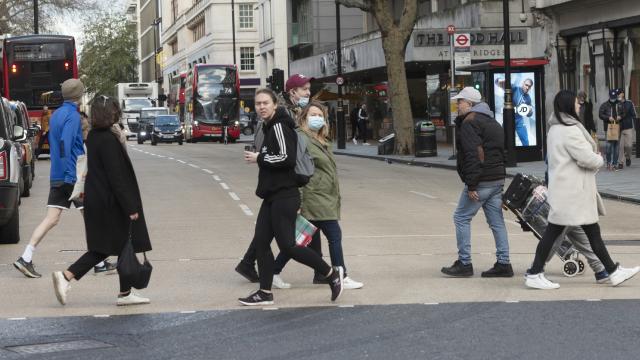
[196,10]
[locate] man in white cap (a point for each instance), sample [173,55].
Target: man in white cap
[66,144]
[480,161]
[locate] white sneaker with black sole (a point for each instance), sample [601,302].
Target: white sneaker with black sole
[279,283]
[60,286]
[132,299]
[539,281]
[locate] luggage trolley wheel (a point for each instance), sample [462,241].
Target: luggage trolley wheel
[581,267]
[570,268]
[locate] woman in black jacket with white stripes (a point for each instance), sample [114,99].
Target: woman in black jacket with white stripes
[278,188]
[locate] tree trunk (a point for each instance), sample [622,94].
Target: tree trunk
[398,92]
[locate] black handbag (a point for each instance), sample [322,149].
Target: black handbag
[129,267]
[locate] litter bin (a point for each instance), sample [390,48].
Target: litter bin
[426,144]
[387,144]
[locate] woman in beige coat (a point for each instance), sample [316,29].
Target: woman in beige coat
[573,195]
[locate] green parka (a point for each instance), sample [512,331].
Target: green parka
[321,196]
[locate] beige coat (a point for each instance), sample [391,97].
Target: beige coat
[573,164]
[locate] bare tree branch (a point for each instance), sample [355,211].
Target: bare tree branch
[364,5]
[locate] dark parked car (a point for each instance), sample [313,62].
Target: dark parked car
[167,128]
[10,173]
[28,146]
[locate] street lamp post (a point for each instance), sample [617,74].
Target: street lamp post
[233,30]
[507,112]
[156,22]
[342,136]
[36,26]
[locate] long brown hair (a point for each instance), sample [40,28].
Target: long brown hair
[323,134]
[105,111]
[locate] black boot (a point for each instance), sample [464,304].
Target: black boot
[458,269]
[248,271]
[498,270]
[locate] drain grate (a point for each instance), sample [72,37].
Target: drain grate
[58,346]
[622,242]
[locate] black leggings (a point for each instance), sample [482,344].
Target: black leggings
[86,262]
[277,218]
[551,234]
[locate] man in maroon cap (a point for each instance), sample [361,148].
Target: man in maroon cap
[296,94]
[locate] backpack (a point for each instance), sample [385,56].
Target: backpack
[304,162]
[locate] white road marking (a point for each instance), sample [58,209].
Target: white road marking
[188,312]
[216,178]
[512,301]
[431,303]
[224,186]
[346,306]
[454,204]
[184,260]
[593,300]
[161,156]
[17,319]
[269,308]
[182,162]
[246,210]
[101,316]
[207,171]
[234,196]
[429,196]
[170,158]
[194,166]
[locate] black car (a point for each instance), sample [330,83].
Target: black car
[145,122]
[28,154]
[167,128]
[10,174]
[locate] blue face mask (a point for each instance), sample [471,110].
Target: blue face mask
[303,101]
[316,123]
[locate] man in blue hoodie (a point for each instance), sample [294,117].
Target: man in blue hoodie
[66,144]
[480,162]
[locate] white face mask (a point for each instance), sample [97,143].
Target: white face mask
[303,101]
[316,123]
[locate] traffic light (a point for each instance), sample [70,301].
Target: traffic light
[270,82]
[277,80]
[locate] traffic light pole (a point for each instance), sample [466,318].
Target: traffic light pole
[508,120]
[342,136]
[36,25]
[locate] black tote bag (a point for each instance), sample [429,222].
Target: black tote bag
[129,267]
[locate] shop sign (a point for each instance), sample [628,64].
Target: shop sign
[430,38]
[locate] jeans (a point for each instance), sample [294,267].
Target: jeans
[612,152]
[491,202]
[521,131]
[332,231]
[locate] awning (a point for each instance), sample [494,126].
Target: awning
[326,95]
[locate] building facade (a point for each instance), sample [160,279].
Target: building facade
[149,16]
[201,31]
[593,46]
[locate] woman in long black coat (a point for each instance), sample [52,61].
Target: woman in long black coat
[112,202]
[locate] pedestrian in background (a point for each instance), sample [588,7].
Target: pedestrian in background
[278,189]
[611,113]
[480,162]
[586,113]
[113,205]
[626,129]
[320,197]
[573,196]
[363,119]
[353,118]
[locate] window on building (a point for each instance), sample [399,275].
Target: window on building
[198,31]
[246,16]
[174,10]
[247,59]
[174,46]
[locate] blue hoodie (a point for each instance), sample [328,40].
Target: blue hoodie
[65,143]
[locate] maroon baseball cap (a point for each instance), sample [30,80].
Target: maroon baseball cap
[296,81]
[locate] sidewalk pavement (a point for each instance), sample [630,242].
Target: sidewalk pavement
[621,185]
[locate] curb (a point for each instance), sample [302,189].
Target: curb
[605,195]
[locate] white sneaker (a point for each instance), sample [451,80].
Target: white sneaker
[622,274]
[365,143]
[350,284]
[132,299]
[60,286]
[355,142]
[279,283]
[539,281]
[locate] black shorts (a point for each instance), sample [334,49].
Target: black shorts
[59,197]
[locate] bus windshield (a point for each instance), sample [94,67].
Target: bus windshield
[136,104]
[217,94]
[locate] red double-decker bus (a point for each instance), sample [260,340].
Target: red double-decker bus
[212,100]
[33,67]
[175,99]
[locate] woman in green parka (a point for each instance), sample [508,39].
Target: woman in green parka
[321,196]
